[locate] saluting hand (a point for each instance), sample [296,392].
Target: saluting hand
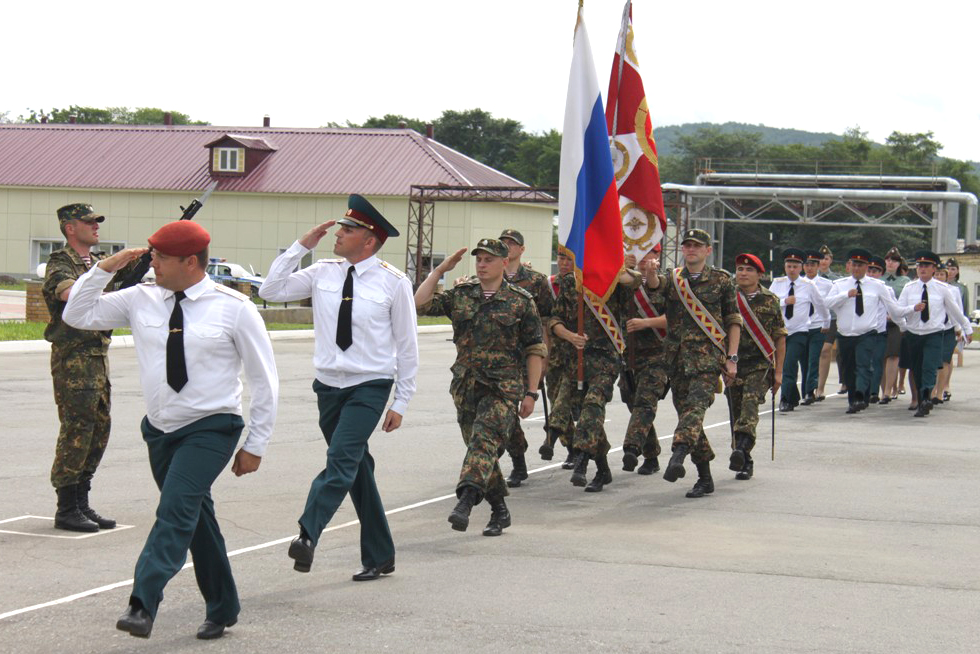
[245,462]
[450,262]
[121,259]
[312,237]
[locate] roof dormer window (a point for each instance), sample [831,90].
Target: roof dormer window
[229,160]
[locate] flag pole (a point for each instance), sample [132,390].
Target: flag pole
[581,332]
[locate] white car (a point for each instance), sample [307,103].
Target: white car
[224,271]
[975,317]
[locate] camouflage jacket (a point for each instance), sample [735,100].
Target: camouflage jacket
[63,268]
[493,337]
[649,348]
[688,350]
[765,304]
[537,285]
[566,313]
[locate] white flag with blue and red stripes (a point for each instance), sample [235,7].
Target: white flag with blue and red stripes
[589,224]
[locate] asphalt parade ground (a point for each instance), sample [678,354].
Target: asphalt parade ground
[862,536]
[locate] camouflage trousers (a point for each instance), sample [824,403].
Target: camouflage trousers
[590,432]
[553,381]
[650,384]
[81,393]
[485,419]
[747,393]
[692,396]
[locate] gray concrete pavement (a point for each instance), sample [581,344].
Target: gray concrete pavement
[862,536]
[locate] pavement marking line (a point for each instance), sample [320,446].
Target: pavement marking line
[280,541]
[100,532]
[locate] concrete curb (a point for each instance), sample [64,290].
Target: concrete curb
[18,347]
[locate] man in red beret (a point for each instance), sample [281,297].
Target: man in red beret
[760,358]
[192,338]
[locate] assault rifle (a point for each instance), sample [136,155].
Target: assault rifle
[143,265]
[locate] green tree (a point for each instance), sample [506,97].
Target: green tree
[476,133]
[107,116]
[913,151]
[538,159]
[391,121]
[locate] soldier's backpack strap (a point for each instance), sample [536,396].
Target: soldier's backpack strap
[701,316]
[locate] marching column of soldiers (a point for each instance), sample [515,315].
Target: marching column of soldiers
[697,331]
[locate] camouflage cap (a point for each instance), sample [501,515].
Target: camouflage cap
[513,235]
[696,235]
[78,212]
[492,247]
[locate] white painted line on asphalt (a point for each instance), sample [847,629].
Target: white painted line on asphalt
[100,532]
[280,541]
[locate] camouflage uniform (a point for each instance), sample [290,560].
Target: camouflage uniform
[601,362]
[80,373]
[754,377]
[536,285]
[649,381]
[561,359]
[493,339]
[693,362]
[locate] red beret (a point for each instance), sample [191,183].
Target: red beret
[750,260]
[181,238]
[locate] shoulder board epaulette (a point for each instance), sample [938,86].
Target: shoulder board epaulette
[390,268]
[230,291]
[723,272]
[780,278]
[521,291]
[330,260]
[153,283]
[469,281]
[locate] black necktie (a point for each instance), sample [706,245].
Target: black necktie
[176,366]
[344,337]
[925,301]
[858,300]
[789,307]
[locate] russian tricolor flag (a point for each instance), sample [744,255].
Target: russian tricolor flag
[589,223]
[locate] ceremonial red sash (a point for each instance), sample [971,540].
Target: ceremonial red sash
[647,310]
[754,326]
[554,286]
[701,316]
[605,318]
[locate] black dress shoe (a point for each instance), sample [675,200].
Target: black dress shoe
[809,399]
[873,399]
[852,408]
[784,407]
[301,551]
[370,574]
[211,630]
[885,400]
[136,621]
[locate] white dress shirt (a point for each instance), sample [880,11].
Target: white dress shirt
[222,331]
[806,294]
[942,303]
[821,319]
[383,320]
[875,292]
[881,326]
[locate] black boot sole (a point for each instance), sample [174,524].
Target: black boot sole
[90,528]
[674,472]
[578,479]
[644,470]
[737,460]
[630,461]
[459,522]
[301,559]
[547,453]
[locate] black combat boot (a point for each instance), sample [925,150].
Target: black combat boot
[499,517]
[84,486]
[631,456]
[740,454]
[602,477]
[649,466]
[68,516]
[519,472]
[675,467]
[569,460]
[746,472]
[580,468]
[704,485]
[547,450]
[460,517]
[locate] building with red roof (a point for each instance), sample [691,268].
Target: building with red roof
[274,183]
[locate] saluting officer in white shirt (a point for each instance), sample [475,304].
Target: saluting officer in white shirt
[366,341]
[855,299]
[798,300]
[929,303]
[192,339]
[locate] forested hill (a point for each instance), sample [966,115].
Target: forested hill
[666,137]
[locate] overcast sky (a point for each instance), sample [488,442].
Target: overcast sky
[822,66]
